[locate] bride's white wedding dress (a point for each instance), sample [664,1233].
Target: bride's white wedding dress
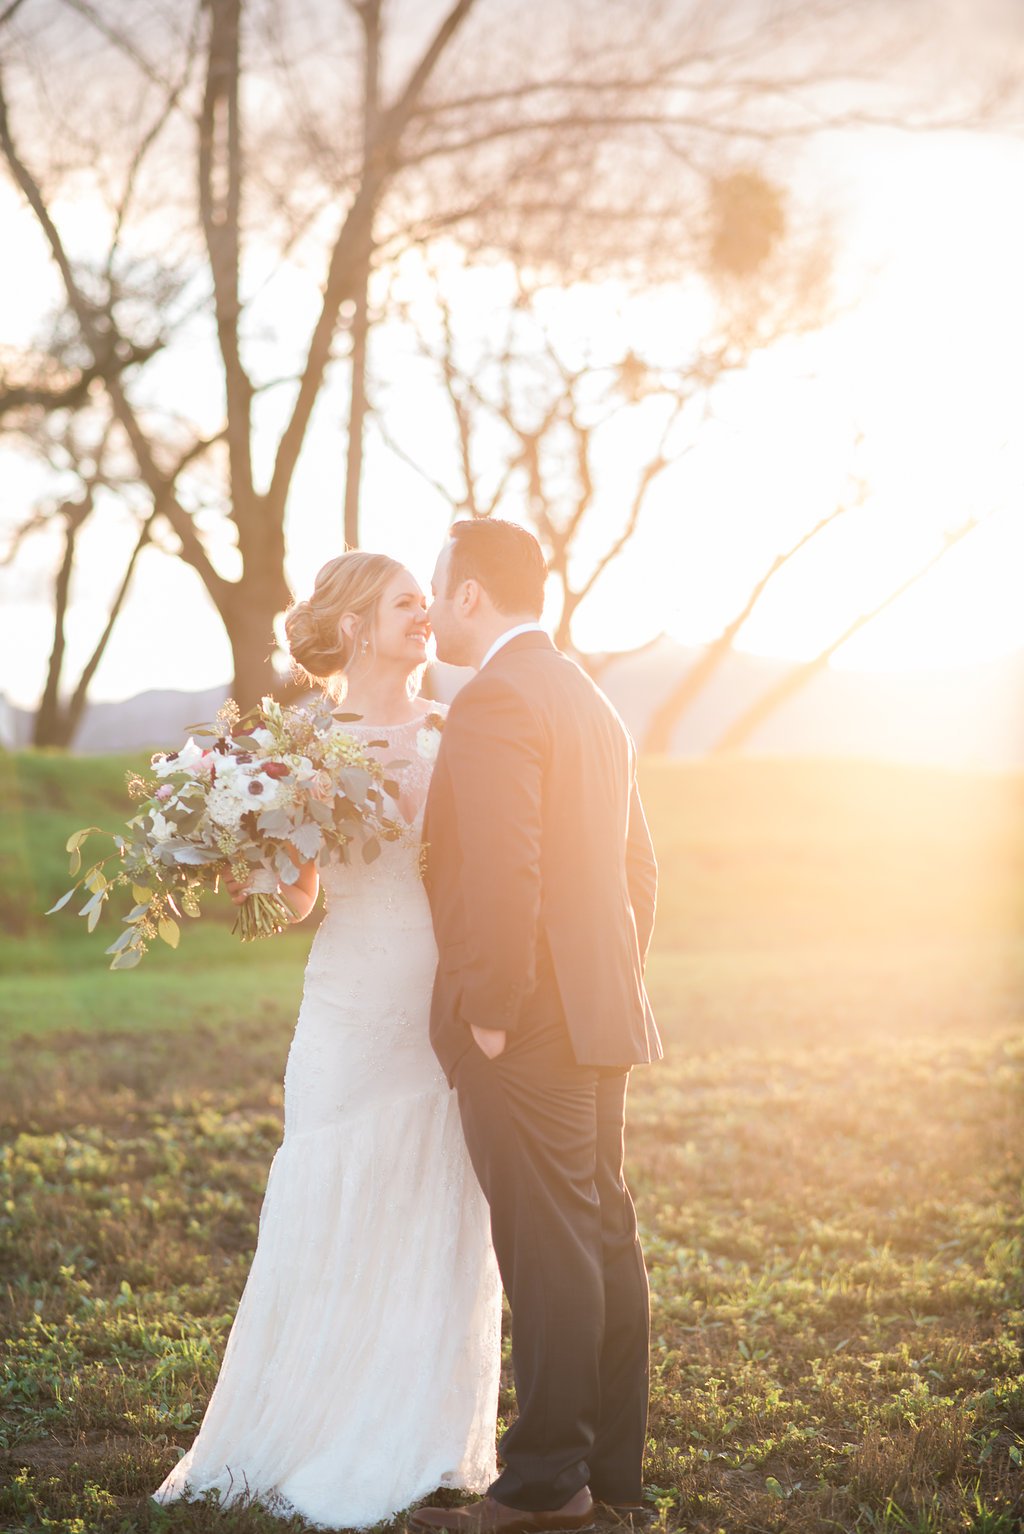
[362,1368]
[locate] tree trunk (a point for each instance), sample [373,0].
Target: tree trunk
[658,739]
[357,410]
[51,726]
[369,14]
[740,731]
[250,629]
[46,724]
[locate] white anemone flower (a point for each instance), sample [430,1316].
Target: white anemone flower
[188,759]
[428,743]
[160,828]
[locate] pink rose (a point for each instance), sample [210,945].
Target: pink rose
[164,791]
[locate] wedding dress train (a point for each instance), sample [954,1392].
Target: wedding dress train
[362,1368]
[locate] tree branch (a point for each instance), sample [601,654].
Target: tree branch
[100,338]
[658,737]
[740,731]
[355,231]
[220,220]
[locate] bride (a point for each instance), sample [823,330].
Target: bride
[362,1368]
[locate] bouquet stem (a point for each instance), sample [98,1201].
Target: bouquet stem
[262,916]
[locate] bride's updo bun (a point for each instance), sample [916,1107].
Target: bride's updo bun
[318,645]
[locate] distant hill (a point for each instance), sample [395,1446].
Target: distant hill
[969,718]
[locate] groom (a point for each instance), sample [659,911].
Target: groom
[542,881]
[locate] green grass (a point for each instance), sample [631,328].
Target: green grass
[828,1166]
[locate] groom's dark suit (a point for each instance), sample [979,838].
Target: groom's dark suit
[542,882]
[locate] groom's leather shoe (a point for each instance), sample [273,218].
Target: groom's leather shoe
[490,1517]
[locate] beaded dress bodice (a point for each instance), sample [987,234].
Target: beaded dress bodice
[390,887]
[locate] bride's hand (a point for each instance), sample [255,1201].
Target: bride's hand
[237,889]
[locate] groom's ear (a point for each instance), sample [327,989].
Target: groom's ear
[467,597]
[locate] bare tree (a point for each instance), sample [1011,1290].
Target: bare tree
[246,605]
[84,456]
[672,708]
[741,729]
[323,135]
[537,417]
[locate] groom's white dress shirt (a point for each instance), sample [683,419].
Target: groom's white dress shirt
[503,639]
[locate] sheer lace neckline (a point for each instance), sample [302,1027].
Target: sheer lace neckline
[360,724]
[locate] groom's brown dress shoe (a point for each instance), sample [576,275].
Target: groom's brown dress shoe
[490,1517]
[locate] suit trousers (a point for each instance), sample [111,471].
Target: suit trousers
[545,1136]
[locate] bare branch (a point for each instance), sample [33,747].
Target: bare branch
[121,43]
[667,715]
[355,232]
[740,731]
[71,396]
[10,12]
[99,335]
[147,141]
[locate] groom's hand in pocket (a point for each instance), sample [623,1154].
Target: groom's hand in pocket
[490,1040]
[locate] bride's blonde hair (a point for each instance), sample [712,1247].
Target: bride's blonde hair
[318,645]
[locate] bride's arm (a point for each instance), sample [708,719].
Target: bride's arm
[299,897]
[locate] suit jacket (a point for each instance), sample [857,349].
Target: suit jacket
[538,859]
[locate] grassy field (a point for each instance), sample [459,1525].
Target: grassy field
[828,1166]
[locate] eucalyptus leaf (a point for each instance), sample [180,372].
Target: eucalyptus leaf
[74,861]
[169,931]
[198,856]
[284,867]
[127,958]
[371,850]
[121,941]
[355,782]
[275,822]
[76,838]
[62,902]
[94,916]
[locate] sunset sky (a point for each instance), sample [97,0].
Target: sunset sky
[916,388]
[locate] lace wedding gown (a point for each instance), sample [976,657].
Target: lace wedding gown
[362,1368]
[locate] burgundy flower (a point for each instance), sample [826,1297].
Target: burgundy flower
[275,769]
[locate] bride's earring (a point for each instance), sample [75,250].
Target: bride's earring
[364,646]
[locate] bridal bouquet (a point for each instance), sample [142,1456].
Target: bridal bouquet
[250,797]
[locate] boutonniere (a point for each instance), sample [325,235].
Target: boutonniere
[428,739]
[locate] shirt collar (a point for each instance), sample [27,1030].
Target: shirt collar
[503,639]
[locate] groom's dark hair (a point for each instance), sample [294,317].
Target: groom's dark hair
[504,558]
